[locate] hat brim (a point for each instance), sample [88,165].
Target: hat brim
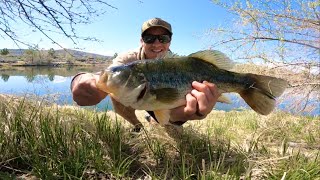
[156,26]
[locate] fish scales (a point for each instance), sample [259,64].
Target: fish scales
[179,73]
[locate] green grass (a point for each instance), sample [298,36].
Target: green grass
[49,142]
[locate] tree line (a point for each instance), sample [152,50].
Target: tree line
[36,55]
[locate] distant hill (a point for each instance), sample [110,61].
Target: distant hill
[16,52]
[76,53]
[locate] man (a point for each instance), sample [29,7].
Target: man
[155,42]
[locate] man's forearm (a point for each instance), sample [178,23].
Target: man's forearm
[75,78]
[84,89]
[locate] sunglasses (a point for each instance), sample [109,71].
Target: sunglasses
[149,39]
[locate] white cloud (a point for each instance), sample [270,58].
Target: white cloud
[59,79]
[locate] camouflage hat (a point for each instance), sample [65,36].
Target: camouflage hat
[155,22]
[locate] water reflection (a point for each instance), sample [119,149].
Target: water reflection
[50,84]
[5,77]
[53,84]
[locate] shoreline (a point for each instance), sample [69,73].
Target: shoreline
[93,108]
[53,64]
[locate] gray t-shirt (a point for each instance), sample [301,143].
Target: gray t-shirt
[137,54]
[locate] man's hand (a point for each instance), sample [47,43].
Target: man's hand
[199,103]
[85,91]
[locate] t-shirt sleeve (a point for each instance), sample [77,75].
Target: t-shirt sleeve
[125,58]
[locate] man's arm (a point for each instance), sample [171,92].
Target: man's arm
[84,89]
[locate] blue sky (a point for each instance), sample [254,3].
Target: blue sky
[120,29]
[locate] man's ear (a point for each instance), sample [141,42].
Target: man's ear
[141,41]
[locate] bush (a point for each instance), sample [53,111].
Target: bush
[4,51]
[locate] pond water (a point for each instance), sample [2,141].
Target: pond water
[53,84]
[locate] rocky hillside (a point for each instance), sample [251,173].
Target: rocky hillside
[75,53]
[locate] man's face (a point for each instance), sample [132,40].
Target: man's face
[157,48]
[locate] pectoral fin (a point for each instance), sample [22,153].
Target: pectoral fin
[162,116]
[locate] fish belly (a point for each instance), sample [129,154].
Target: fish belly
[153,104]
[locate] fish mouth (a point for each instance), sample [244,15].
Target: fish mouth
[142,93]
[101,82]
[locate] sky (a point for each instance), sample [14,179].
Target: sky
[119,29]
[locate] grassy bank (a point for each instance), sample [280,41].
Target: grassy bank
[50,142]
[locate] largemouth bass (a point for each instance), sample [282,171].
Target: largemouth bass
[162,84]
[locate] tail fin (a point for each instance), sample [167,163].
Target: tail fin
[261,96]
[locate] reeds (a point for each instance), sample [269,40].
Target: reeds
[44,141]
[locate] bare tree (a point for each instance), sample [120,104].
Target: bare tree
[49,16]
[284,35]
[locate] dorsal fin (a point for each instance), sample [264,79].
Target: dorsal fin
[214,57]
[170,54]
